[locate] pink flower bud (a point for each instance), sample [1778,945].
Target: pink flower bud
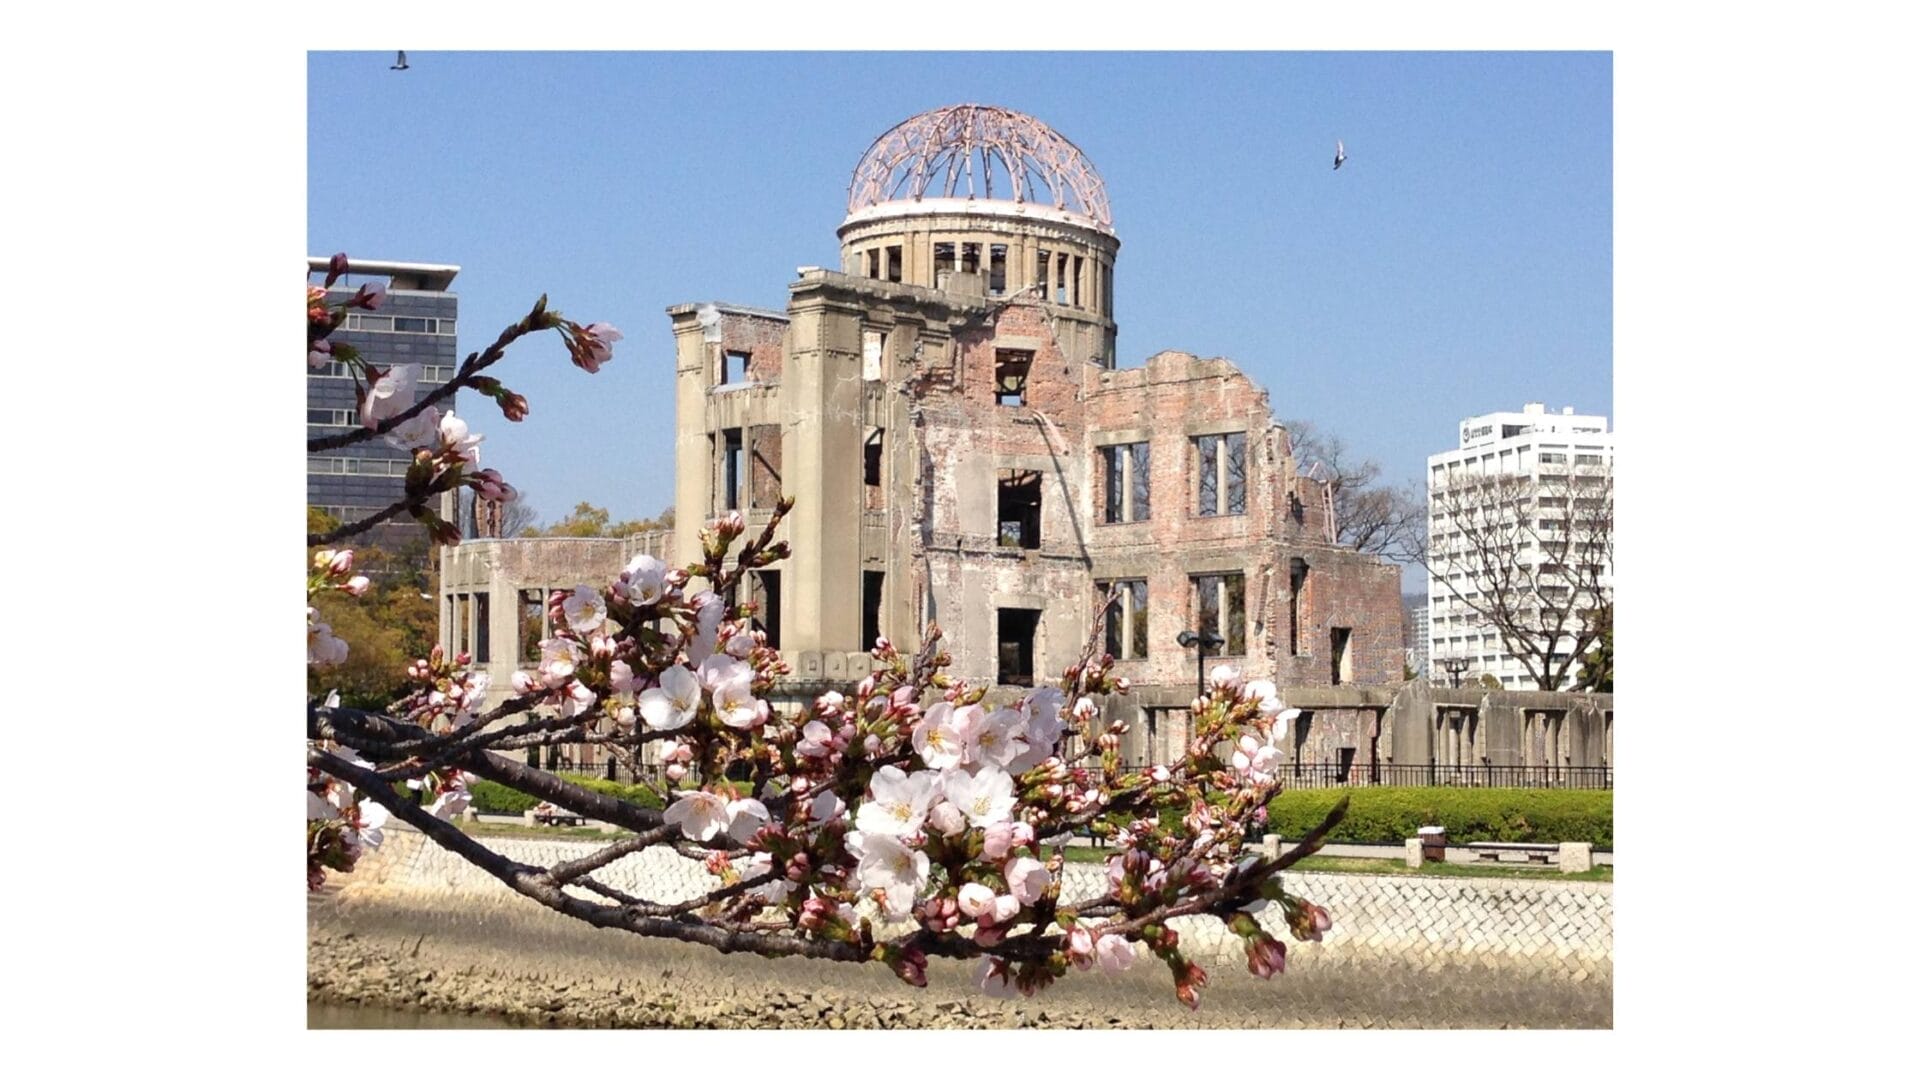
[356,585]
[999,840]
[676,772]
[1022,834]
[342,562]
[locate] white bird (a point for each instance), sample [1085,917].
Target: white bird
[401,63]
[1339,153]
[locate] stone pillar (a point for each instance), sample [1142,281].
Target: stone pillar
[1576,858]
[1410,717]
[1416,853]
[692,445]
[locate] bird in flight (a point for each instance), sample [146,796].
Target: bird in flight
[401,63]
[1339,149]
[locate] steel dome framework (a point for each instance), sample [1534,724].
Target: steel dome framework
[979,151]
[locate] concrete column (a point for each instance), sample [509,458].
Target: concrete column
[692,448]
[1410,717]
[821,411]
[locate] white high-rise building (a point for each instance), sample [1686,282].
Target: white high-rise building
[1519,518]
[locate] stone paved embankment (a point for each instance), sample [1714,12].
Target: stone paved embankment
[417,927]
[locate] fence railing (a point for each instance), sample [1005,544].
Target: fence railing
[1335,775]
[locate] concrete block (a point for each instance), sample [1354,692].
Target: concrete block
[1416,853]
[607,826]
[1270,846]
[527,817]
[836,666]
[1576,858]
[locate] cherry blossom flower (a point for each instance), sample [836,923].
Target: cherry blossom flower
[389,396]
[670,705]
[558,659]
[708,611]
[1259,759]
[422,430]
[594,346]
[994,978]
[938,737]
[1000,738]
[323,649]
[1225,679]
[720,668]
[1080,947]
[986,797]
[975,900]
[892,868]
[746,817]
[1115,953]
[585,609]
[899,802]
[1027,880]
[735,705]
[1266,956]
[701,815]
[453,799]
[643,582]
[455,440]
[370,830]
[999,840]
[946,819]
[816,740]
[577,700]
[371,296]
[826,807]
[319,809]
[489,485]
[356,586]
[319,354]
[773,891]
[620,677]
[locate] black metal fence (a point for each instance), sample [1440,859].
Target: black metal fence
[1338,775]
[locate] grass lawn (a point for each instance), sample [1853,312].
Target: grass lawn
[1328,864]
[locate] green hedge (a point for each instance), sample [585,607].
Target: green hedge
[1391,815]
[492,798]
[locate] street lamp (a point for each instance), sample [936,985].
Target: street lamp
[1454,665]
[1205,639]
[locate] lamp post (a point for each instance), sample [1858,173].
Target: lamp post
[1205,639]
[1454,665]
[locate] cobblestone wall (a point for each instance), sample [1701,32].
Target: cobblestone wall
[1561,932]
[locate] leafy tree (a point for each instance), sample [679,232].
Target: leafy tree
[588,520]
[1596,664]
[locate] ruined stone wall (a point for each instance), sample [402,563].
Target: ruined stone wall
[966,443]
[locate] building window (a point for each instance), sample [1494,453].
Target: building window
[734,367]
[1342,655]
[1296,602]
[873,262]
[873,354]
[969,258]
[1078,273]
[733,473]
[997,269]
[943,259]
[332,418]
[1017,629]
[1128,487]
[871,468]
[1019,517]
[1010,367]
[1221,464]
[533,624]
[1220,607]
[482,630]
[1126,628]
[1042,265]
[767,618]
[872,585]
[893,263]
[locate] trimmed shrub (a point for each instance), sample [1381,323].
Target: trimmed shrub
[1391,815]
[492,798]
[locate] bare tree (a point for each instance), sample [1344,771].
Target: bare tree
[1530,557]
[1369,516]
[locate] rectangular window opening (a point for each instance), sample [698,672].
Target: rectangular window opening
[1126,620]
[734,367]
[997,269]
[874,441]
[1019,517]
[1010,367]
[734,473]
[1220,607]
[767,618]
[1221,464]
[533,624]
[873,354]
[1042,264]
[873,262]
[1342,655]
[969,258]
[943,257]
[872,584]
[1078,272]
[1017,629]
[482,631]
[893,263]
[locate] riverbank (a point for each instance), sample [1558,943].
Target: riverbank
[416,928]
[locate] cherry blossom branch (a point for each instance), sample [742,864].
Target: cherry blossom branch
[537,319]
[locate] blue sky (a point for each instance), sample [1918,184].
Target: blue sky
[1460,262]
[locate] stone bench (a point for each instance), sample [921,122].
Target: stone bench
[1492,851]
